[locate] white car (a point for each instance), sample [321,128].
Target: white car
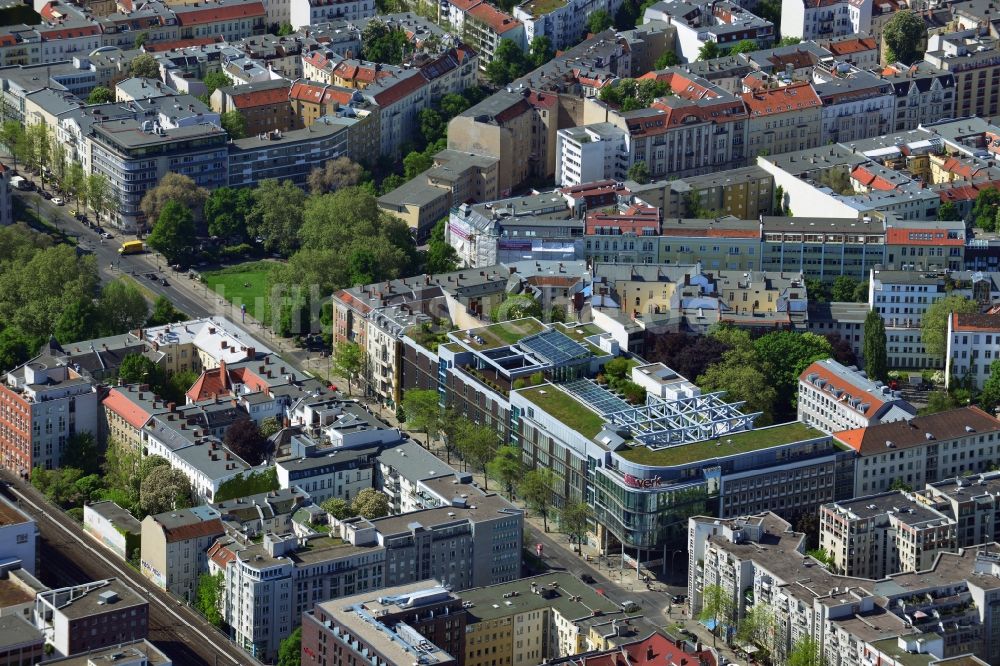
[58,201]
[105,234]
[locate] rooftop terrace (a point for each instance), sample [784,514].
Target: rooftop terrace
[725,445]
[500,334]
[562,406]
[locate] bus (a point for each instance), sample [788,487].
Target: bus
[131,247]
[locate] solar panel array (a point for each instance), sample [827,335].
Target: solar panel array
[554,347]
[596,397]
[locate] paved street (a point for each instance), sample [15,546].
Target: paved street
[68,556]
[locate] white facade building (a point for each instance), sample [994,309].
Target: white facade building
[590,153]
[304,13]
[18,536]
[823,19]
[833,397]
[973,345]
[565,24]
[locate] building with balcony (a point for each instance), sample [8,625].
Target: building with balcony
[973,344]
[833,398]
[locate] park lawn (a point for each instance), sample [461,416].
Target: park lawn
[245,284]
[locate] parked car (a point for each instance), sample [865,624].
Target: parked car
[107,234]
[678,599]
[164,282]
[58,201]
[587,578]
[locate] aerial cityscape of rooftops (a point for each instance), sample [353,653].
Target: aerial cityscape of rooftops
[500,332]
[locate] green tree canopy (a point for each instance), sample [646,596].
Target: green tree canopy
[338,507]
[904,36]
[718,606]
[709,51]
[843,288]
[744,46]
[875,354]
[574,519]
[383,43]
[423,413]
[121,307]
[506,468]
[174,232]
[441,256]
[638,172]
[476,443]
[276,215]
[174,187]
[138,369]
[668,59]
[509,62]
[226,211]
[100,95]
[336,174]
[948,212]
[984,210]
[934,324]
[347,361]
[990,397]
[234,123]
[536,489]
[164,489]
[290,649]
[145,66]
[78,321]
[215,80]
[598,21]
[208,597]
[370,504]
[539,52]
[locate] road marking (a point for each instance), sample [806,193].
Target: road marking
[114,565]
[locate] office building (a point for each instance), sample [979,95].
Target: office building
[91,616]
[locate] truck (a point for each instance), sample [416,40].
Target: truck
[131,247]
[19,183]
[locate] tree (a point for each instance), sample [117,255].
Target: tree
[539,52]
[934,325]
[990,397]
[164,489]
[382,43]
[164,312]
[668,59]
[97,193]
[598,21]
[782,356]
[788,41]
[806,651]
[506,468]
[80,451]
[173,187]
[939,401]
[423,413]
[757,627]
[452,104]
[536,489]
[270,426]
[476,444]
[638,172]
[209,595]
[121,307]
[432,125]
[517,306]
[174,232]
[441,256]
[335,174]
[841,349]
[371,504]
[244,439]
[948,212]
[509,63]
[743,46]
[716,605]
[226,212]
[338,508]
[100,95]
[285,29]
[904,35]
[415,163]
[779,201]
[575,521]
[215,80]
[984,210]
[290,649]
[899,484]
[138,369]
[843,288]
[12,136]
[742,382]
[276,215]
[139,40]
[347,360]
[689,355]
[234,123]
[78,321]
[861,293]
[145,66]
[875,354]
[709,51]
[76,182]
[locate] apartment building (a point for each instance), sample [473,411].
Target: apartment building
[484,27]
[822,248]
[722,23]
[825,19]
[973,344]
[420,621]
[969,501]
[924,94]
[264,105]
[306,13]
[125,411]
[135,153]
[91,616]
[783,119]
[399,100]
[44,404]
[18,536]
[231,19]
[856,104]
[884,534]
[563,22]
[174,546]
[921,450]
[833,397]
[536,619]
[744,193]
[287,155]
[130,653]
[971,57]
[591,153]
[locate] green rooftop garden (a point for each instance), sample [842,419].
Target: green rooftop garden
[726,445]
[564,407]
[542,7]
[502,333]
[578,333]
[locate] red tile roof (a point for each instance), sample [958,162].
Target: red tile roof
[500,22]
[656,650]
[118,402]
[941,427]
[960,167]
[209,385]
[264,97]
[55,33]
[542,100]
[975,322]
[906,236]
[793,97]
[833,384]
[393,92]
[967,191]
[221,555]
[849,46]
[464,5]
[318,93]
[871,180]
[202,528]
[220,13]
[694,232]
